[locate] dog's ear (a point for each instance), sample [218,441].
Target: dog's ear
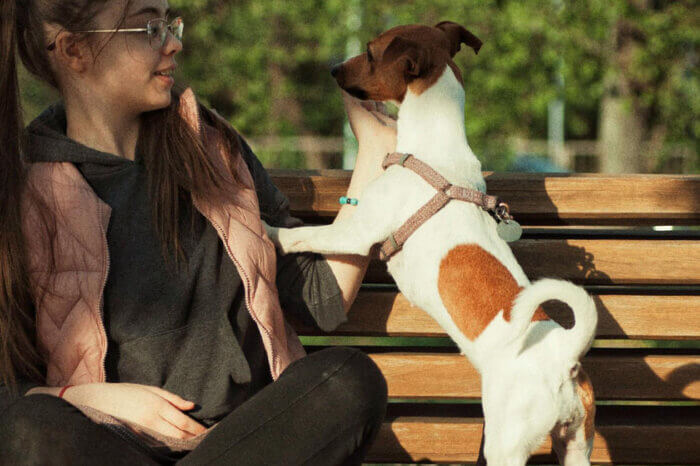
[458,35]
[410,53]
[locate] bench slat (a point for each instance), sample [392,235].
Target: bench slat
[584,256]
[599,261]
[411,439]
[634,377]
[534,198]
[384,313]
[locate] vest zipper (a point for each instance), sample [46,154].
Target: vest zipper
[100,306]
[273,363]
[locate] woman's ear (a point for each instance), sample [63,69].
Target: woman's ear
[71,52]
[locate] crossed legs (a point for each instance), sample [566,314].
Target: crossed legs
[325,409]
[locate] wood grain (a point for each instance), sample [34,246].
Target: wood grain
[426,439]
[584,254]
[634,377]
[598,261]
[388,313]
[535,198]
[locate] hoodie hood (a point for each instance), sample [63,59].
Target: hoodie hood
[47,141]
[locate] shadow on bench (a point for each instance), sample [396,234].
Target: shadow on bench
[595,230]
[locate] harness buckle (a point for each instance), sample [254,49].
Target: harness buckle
[393,242]
[502,212]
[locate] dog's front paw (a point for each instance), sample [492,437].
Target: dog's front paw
[282,238]
[273,233]
[290,240]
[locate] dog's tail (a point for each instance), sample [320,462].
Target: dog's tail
[583,306]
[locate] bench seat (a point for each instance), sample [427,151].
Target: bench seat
[595,230]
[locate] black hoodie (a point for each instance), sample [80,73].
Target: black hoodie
[187,329]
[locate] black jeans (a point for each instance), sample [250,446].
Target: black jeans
[325,409]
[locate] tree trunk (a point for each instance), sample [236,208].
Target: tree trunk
[621,136]
[286,108]
[623,118]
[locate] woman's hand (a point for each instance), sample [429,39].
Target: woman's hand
[373,127]
[147,405]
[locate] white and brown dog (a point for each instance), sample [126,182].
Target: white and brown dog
[455,266]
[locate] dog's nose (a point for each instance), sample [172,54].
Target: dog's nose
[335,70]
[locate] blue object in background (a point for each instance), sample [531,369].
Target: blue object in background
[532,163]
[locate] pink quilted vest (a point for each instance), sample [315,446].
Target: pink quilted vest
[70,331]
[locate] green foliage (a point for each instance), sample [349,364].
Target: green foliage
[265,64]
[35,95]
[233,48]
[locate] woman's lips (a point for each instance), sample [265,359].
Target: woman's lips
[165,79]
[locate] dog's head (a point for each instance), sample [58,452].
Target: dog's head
[404,57]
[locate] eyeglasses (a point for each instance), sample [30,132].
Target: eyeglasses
[157,30]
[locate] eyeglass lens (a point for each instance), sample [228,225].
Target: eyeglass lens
[158,31]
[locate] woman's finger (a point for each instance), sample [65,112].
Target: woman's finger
[384,119]
[165,427]
[379,111]
[176,400]
[181,421]
[382,108]
[369,105]
[352,104]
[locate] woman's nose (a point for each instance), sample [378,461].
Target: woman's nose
[172,44]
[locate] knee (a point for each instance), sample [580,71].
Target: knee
[360,383]
[30,414]
[31,422]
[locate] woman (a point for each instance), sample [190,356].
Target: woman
[141,232]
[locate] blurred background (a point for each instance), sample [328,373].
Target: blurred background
[605,86]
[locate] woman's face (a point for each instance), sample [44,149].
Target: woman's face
[124,72]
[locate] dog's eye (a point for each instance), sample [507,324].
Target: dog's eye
[369,54]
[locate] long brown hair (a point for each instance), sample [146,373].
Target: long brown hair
[176,159]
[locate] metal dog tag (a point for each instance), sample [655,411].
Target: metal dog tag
[509,230]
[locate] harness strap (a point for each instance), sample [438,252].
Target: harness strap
[484,201]
[396,239]
[446,192]
[433,178]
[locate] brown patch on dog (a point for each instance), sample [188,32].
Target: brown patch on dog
[372,80]
[474,287]
[418,86]
[414,55]
[584,390]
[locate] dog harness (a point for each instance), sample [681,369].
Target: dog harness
[446,191]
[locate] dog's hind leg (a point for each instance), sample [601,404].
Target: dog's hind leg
[504,442]
[500,453]
[574,443]
[572,448]
[518,415]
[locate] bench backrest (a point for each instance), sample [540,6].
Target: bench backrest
[595,230]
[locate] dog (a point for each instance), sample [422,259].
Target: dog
[455,266]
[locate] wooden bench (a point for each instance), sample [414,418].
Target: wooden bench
[595,230]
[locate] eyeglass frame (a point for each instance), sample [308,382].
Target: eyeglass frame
[169,27]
